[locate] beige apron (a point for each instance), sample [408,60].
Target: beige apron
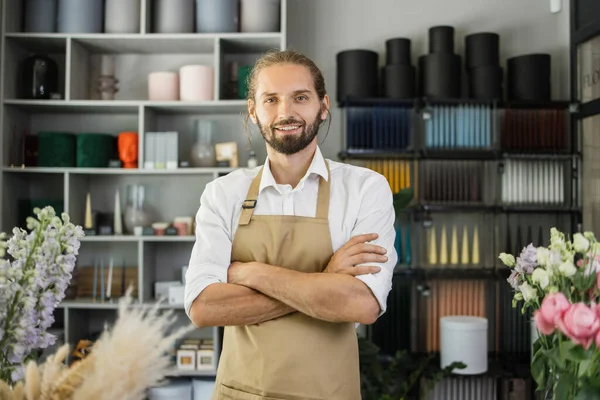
[295,356]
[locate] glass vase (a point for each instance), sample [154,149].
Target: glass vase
[203,151]
[135,214]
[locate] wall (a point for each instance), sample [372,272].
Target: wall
[322,28]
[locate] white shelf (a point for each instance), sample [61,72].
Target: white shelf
[88,304]
[117,171]
[177,373]
[150,43]
[129,106]
[132,238]
[170,193]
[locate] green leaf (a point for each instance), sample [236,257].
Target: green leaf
[554,356]
[403,198]
[564,387]
[584,366]
[539,368]
[589,390]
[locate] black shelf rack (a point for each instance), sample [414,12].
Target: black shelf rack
[519,138]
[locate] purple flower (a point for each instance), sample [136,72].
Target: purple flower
[513,280]
[527,260]
[35,282]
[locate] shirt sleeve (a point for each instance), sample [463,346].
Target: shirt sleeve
[377,215]
[211,253]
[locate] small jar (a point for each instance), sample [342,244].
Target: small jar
[252,161]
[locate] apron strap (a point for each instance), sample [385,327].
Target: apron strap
[323,199]
[249,204]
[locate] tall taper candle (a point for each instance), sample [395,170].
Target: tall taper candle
[432,247]
[109,280]
[95,279]
[454,247]
[88,212]
[102,279]
[443,247]
[118,225]
[464,257]
[475,257]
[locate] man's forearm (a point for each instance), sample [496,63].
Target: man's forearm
[223,304]
[330,297]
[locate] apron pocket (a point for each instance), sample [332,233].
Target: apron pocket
[228,393]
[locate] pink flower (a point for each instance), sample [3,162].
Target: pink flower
[581,324]
[553,307]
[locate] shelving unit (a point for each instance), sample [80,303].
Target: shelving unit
[510,181]
[169,192]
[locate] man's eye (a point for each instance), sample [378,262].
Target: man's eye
[301,98]
[270,100]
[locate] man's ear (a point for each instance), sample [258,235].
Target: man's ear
[325,107]
[252,110]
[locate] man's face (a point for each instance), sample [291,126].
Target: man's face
[287,109]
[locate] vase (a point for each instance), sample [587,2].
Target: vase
[135,214]
[40,16]
[173,16]
[122,16]
[39,77]
[217,16]
[80,16]
[203,151]
[260,15]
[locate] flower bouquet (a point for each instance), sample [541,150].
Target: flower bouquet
[128,358]
[561,285]
[32,283]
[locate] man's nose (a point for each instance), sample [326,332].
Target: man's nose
[285,109]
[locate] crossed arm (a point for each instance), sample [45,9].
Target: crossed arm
[258,292]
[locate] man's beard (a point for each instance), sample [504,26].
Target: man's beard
[290,144]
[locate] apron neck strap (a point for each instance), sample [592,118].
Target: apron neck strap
[249,204]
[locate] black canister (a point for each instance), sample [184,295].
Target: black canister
[442,76]
[441,39]
[482,50]
[39,77]
[485,83]
[397,51]
[357,74]
[528,77]
[398,81]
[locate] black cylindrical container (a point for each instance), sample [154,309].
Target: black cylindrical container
[441,39]
[397,51]
[398,81]
[357,74]
[441,75]
[39,77]
[485,83]
[482,50]
[528,77]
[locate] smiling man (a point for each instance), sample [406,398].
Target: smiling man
[290,256]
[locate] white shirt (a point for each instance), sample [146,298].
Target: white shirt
[361,202]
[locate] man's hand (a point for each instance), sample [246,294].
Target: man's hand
[357,251]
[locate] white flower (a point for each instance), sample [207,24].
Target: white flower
[580,243]
[507,259]
[540,276]
[542,255]
[567,269]
[529,293]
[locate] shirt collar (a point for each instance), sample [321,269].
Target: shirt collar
[317,166]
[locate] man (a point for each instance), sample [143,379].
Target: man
[291,255]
